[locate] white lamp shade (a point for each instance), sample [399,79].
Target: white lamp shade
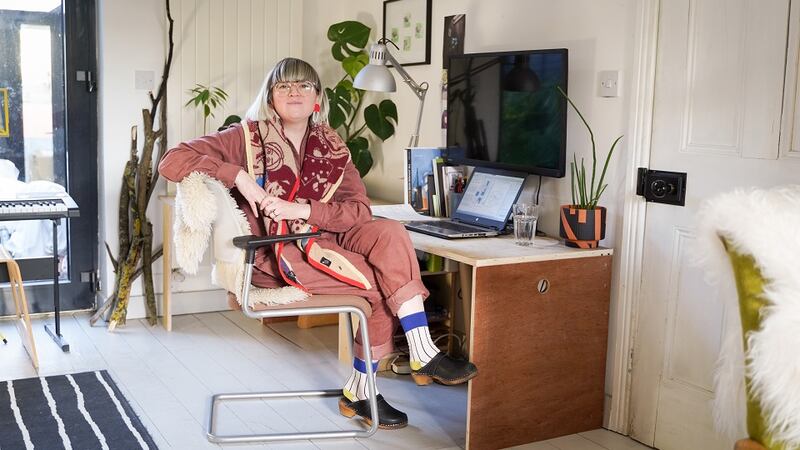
[375,77]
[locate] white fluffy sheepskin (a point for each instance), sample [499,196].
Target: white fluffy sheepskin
[765,224]
[198,213]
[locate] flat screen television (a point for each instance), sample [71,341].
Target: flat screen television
[505,111]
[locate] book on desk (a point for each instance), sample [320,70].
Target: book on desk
[430,179]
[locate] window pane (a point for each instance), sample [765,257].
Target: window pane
[32,136]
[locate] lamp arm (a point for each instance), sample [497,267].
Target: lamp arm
[420,90]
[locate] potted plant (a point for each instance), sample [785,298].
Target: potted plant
[346,102]
[210,97]
[583,222]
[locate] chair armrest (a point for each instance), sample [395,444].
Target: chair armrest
[252,242]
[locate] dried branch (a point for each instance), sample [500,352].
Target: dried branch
[139,182]
[111,257]
[162,88]
[111,299]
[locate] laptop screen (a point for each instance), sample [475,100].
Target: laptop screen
[489,197]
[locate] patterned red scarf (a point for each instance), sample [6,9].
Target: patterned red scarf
[273,163]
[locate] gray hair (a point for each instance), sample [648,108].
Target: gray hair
[287,69]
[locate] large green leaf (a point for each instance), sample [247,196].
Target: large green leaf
[381,119]
[362,158]
[339,107]
[348,37]
[354,93]
[353,64]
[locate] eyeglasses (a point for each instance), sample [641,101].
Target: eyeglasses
[302,88]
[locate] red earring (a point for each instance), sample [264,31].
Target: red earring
[316,107]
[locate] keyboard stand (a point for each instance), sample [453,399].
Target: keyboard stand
[56,333]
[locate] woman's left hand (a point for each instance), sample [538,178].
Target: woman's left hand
[278,209]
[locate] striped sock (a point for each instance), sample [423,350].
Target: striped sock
[415,324]
[356,386]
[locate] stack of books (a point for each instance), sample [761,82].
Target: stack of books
[433,183]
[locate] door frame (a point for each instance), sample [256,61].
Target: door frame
[80,56]
[631,247]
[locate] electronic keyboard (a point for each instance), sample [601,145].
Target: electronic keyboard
[56,206]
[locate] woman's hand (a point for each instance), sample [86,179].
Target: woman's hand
[279,209]
[251,191]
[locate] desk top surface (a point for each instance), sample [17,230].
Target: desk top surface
[495,251]
[482,252]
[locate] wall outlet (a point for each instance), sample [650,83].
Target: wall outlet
[145,80]
[608,83]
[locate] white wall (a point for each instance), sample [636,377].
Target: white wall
[598,34]
[227,43]
[130,38]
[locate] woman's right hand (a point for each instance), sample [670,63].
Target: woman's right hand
[251,191]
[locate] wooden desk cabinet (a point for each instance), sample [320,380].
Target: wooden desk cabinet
[538,334]
[541,356]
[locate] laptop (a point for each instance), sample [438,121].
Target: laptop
[484,209]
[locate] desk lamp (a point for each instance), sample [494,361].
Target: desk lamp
[375,76]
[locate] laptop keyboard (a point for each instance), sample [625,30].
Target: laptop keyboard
[453,226]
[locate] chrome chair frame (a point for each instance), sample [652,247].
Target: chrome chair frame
[250,244]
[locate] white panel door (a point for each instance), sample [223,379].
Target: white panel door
[719,94]
[790,137]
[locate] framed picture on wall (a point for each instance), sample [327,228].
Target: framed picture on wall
[407,23]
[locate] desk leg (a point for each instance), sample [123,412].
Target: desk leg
[166,267]
[56,333]
[465,286]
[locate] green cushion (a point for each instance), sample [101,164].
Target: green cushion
[750,286]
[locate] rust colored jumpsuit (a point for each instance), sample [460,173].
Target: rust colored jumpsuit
[380,249]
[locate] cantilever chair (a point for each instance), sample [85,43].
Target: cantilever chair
[316,304]
[204,206]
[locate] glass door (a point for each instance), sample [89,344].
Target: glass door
[48,145]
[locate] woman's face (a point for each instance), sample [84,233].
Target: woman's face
[294,100]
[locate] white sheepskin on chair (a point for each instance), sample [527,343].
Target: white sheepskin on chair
[766,225]
[204,207]
[195,211]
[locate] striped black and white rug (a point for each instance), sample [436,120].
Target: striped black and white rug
[82,411]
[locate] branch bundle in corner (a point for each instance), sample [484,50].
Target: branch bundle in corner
[136,256]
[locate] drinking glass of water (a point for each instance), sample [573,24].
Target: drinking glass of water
[525,217]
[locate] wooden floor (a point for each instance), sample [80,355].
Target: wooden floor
[169,377]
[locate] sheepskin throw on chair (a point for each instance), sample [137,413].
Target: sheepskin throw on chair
[760,227]
[204,210]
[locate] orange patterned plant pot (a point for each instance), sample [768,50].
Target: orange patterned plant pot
[582,228]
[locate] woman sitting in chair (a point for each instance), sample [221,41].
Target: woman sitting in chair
[304,176]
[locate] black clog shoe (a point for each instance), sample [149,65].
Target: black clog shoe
[389,418]
[445,370]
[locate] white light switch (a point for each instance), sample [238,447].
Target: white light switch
[608,83]
[144,80]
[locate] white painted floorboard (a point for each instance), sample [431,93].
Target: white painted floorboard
[169,377]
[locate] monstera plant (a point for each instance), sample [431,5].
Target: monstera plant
[346,102]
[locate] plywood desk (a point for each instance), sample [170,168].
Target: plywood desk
[538,332]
